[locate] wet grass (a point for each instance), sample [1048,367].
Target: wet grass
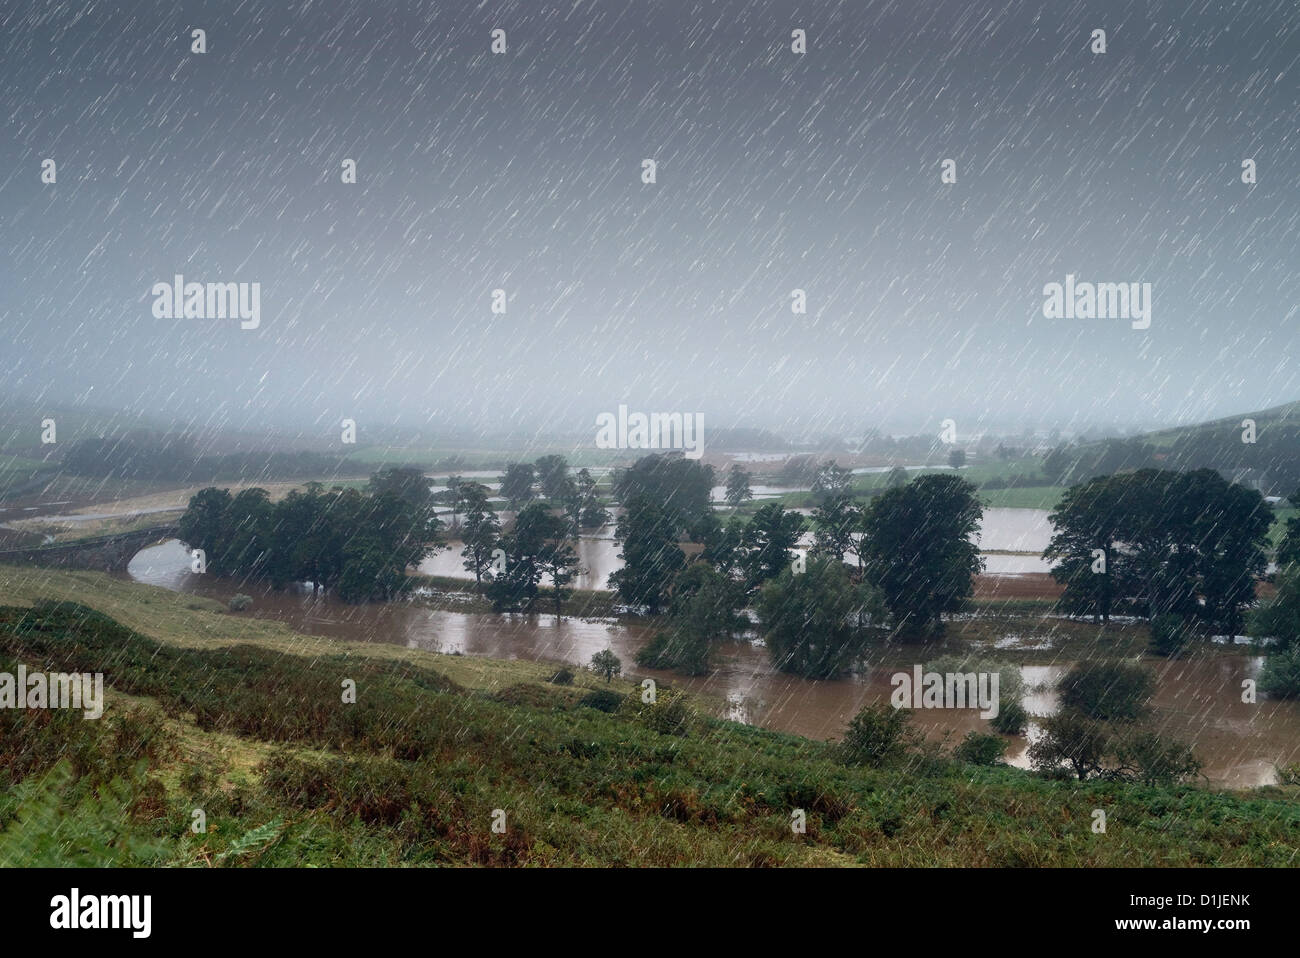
[415,772]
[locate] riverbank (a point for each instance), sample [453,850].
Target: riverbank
[242,720]
[1197,700]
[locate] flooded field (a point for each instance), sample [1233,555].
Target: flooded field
[1197,700]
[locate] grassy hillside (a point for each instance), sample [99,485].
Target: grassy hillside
[256,736]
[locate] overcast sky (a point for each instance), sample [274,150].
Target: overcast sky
[775,171]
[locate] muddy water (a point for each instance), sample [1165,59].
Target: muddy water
[1024,531]
[1198,701]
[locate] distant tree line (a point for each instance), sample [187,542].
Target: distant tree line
[1268,453]
[174,458]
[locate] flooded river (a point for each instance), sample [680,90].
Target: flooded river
[1198,701]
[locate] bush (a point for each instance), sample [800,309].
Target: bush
[1169,635]
[876,735]
[668,714]
[240,602]
[1280,675]
[1153,760]
[1011,718]
[1069,737]
[606,663]
[980,749]
[1110,691]
[604,700]
[562,677]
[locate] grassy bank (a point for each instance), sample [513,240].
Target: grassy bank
[243,719]
[416,770]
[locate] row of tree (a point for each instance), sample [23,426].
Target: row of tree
[355,543]
[911,551]
[1157,542]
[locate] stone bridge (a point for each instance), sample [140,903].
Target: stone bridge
[100,554]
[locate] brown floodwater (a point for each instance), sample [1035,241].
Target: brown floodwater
[1198,701]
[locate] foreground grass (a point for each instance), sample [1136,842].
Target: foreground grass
[244,721]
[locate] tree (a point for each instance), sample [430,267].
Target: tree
[1088,525]
[1279,617]
[481,534]
[455,497]
[738,490]
[1190,544]
[591,514]
[525,549]
[704,610]
[917,548]
[876,736]
[651,556]
[201,527]
[832,480]
[681,488]
[810,620]
[517,484]
[1073,738]
[560,564]
[1288,549]
[897,477]
[957,458]
[1107,691]
[767,544]
[606,663]
[552,476]
[834,523]
[359,545]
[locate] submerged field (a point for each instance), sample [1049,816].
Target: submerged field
[243,721]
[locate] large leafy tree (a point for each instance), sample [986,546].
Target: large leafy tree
[481,531]
[525,548]
[835,521]
[1089,523]
[811,620]
[738,490]
[517,484]
[918,549]
[651,556]
[680,487]
[767,544]
[553,477]
[1189,544]
[704,609]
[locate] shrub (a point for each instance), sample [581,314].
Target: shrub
[1169,635]
[668,714]
[1073,738]
[1011,718]
[1280,675]
[1110,691]
[1154,760]
[876,735]
[240,602]
[605,700]
[606,663]
[980,749]
[562,677]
